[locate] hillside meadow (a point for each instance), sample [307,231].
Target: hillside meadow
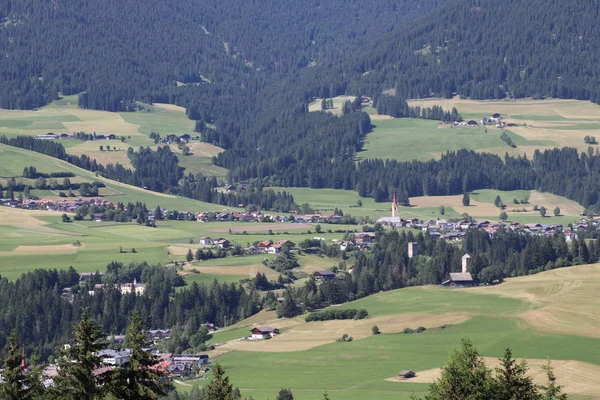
[63,116]
[540,124]
[306,358]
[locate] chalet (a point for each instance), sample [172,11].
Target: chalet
[472,123]
[406,374]
[205,240]
[323,275]
[197,359]
[222,243]
[158,334]
[47,136]
[363,238]
[98,217]
[114,357]
[111,136]
[276,247]
[495,117]
[265,332]
[263,246]
[185,137]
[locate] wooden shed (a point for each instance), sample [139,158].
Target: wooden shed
[406,374]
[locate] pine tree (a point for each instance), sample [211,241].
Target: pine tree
[466,200]
[76,379]
[512,380]
[136,379]
[15,385]
[552,391]
[285,394]
[465,376]
[158,214]
[219,388]
[189,256]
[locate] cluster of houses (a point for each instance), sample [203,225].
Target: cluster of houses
[52,205]
[493,119]
[173,138]
[64,135]
[181,365]
[456,230]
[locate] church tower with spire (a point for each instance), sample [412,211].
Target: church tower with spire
[394,206]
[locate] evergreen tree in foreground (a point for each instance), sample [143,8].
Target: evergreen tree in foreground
[76,378]
[466,376]
[136,380]
[17,384]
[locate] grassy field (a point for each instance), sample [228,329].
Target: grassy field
[39,239]
[551,315]
[64,116]
[428,207]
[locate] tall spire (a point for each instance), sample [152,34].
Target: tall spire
[394,206]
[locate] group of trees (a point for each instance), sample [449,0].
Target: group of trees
[34,304]
[80,373]
[466,376]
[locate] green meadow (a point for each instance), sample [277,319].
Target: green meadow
[360,369]
[407,139]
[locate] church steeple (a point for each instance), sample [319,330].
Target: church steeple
[394,206]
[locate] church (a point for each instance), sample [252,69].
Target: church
[394,220]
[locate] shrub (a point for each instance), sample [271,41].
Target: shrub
[327,315]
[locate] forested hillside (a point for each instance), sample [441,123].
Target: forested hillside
[490,49]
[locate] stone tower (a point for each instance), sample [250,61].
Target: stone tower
[413,249]
[466,260]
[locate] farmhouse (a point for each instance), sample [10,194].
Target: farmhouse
[322,275]
[205,240]
[111,136]
[461,279]
[406,374]
[276,247]
[265,332]
[472,123]
[222,243]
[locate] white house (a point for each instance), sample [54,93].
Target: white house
[264,332]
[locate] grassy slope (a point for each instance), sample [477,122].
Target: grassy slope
[358,370]
[20,158]
[64,116]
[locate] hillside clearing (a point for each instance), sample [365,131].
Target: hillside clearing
[541,124]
